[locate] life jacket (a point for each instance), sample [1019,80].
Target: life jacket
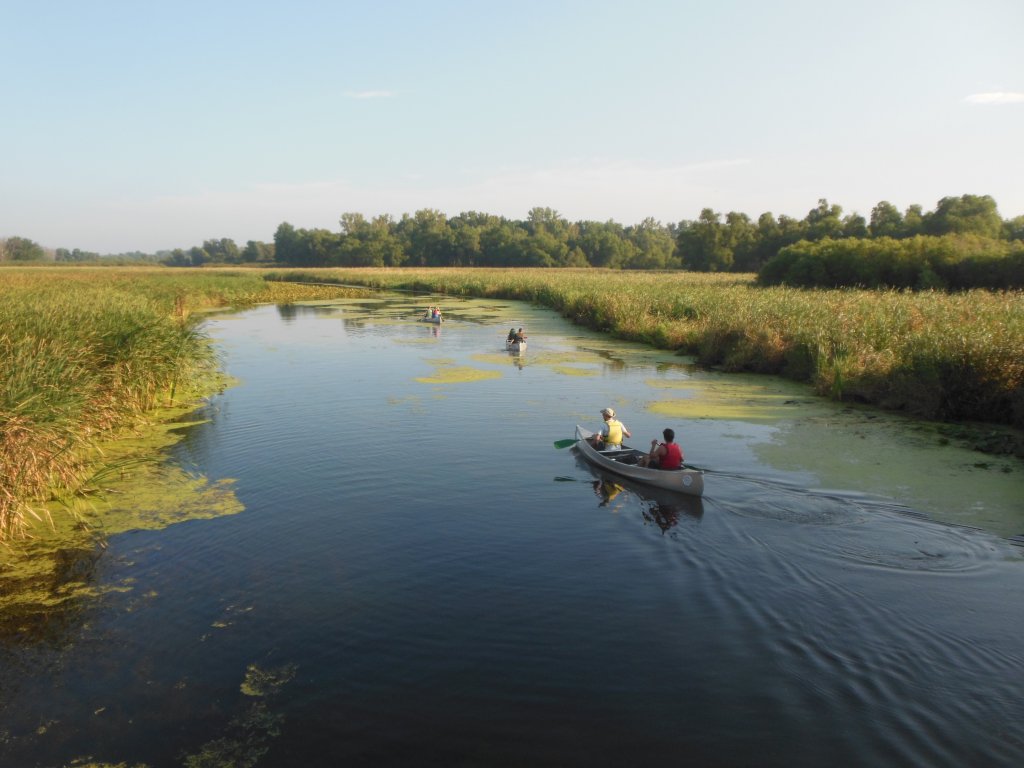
[614,432]
[673,458]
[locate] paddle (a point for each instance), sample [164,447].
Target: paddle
[565,443]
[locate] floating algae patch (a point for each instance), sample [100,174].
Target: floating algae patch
[740,401]
[457,374]
[863,449]
[47,578]
[575,357]
[248,736]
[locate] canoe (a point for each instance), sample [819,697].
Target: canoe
[624,462]
[515,346]
[434,320]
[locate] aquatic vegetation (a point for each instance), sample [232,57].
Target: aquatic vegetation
[446,372]
[87,351]
[47,577]
[248,736]
[932,354]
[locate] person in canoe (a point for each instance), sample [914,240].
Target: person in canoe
[520,337]
[666,455]
[610,436]
[511,335]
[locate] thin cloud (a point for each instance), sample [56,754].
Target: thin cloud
[996,97]
[369,94]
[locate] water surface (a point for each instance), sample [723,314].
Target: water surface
[414,575]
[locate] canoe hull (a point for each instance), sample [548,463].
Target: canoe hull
[623,463]
[515,346]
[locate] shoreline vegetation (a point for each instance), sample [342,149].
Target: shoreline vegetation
[933,355]
[87,351]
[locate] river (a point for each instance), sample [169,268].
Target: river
[375,555]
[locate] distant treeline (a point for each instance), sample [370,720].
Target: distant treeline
[920,262]
[915,248]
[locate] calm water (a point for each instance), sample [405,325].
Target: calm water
[419,578]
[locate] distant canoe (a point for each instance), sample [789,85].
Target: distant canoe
[435,320]
[515,346]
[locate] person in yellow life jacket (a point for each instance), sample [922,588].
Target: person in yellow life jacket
[610,436]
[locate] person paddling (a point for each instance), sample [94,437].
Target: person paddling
[666,455]
[610,436]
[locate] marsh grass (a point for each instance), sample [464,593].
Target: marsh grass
[84,352]
[932,354]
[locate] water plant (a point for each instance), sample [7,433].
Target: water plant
[932,354]
[85,351]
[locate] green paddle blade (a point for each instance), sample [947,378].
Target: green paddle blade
[565,443]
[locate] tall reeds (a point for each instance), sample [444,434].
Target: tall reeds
[932,354]
[87,351]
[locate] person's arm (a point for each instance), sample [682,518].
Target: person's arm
[626,432]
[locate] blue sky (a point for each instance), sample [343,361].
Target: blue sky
[148,126]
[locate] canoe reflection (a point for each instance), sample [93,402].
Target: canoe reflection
[662,508]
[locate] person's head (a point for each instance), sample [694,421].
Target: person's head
[669,434]
[608,413]
[520,330]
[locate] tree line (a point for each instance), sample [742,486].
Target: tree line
[712,242]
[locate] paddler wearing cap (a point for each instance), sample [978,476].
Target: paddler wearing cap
[610,436]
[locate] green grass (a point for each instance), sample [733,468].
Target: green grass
[931,354]
[84,352]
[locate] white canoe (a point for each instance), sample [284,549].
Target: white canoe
[624,462]
[434,320]
[515,346]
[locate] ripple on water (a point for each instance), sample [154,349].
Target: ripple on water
[866,530]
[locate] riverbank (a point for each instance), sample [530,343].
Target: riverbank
[933,355]
[86,352]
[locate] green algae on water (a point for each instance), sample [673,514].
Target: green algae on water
[51,573]
[447,372]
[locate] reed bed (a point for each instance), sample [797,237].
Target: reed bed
[84,352]
[931,354]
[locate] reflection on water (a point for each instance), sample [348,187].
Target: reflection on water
[378,570]
[654,505]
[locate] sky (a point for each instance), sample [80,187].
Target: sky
[137,126]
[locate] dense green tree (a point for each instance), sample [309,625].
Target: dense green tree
[287,244]
[63,254]
[886,220]
[654,246]
[322,248]
[1013,229]
[824,221]
[21,249]
[741,237]
[257,251]
[178,258]
[603,244]
[427,238]
[222,251]
[197,256]
[913,221]
[965,215]
[368,243]
[702,244]
[854,225]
